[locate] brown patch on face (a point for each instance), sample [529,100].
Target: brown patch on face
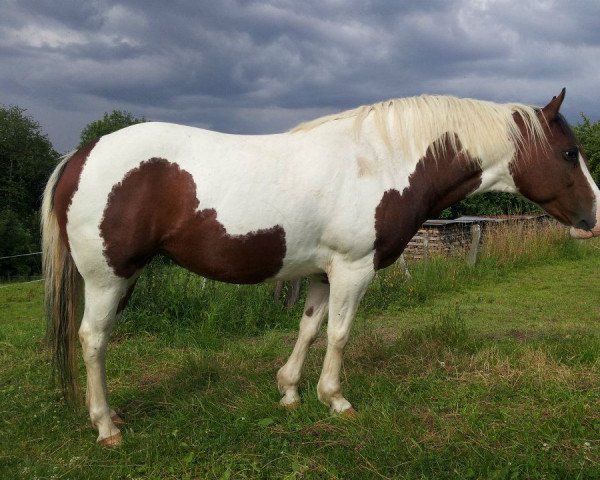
[154,208]
[309,311]
[545,177]
[365,167]
[67,186]
[433,186]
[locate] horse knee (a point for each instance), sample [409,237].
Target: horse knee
[338,339]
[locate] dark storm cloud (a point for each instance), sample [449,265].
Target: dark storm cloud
[245,66]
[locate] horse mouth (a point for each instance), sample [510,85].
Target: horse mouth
[586,229]
[582,234]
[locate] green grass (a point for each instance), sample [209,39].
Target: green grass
[460,373]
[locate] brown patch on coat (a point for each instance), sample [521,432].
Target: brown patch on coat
[365,166]
[155,209]
[66,187]
[434,185]
[309,311]
[542,175]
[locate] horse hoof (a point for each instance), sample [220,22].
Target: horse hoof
[117,420]
[290,406]
[349,413]
[112,441]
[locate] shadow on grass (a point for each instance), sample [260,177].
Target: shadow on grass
[155,393]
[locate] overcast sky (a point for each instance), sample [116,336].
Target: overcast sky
[261,67]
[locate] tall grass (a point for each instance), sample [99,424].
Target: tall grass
[170,300]
[505,247]
[513,243]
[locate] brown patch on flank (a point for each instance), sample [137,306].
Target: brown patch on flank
[67,186]
[155,209]
[365,166]
[309,311]
[546,178]
[434,185]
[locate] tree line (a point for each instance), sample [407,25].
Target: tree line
[27,159]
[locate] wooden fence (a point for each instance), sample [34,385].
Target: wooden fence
[461,236]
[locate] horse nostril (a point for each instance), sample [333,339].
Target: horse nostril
[583,225]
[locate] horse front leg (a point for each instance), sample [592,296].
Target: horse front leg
[315,308]
[349,282]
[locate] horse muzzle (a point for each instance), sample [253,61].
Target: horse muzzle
[587,228]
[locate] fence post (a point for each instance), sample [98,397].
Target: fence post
[293,295]
[278,289]
[475,244]
[404,267]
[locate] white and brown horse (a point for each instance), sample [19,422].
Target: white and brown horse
[336,199]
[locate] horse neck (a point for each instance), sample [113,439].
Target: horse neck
[436,182]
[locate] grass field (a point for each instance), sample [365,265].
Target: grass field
[460,373]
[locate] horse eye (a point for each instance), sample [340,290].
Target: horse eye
[571,155]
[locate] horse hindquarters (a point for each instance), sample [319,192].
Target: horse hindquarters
[73,256]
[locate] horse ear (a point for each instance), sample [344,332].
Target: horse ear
[550,111]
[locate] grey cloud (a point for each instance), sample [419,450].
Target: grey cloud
[249,66]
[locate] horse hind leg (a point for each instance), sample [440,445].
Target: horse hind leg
[101,305]
[315,309]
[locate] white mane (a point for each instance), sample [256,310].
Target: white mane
[486,129]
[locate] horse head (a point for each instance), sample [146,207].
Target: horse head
[554,173]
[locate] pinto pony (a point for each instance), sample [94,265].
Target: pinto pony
[335,199]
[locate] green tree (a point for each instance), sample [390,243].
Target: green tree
[17,238]
[588,135]
[111,122]
[26,160]
[491,203]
